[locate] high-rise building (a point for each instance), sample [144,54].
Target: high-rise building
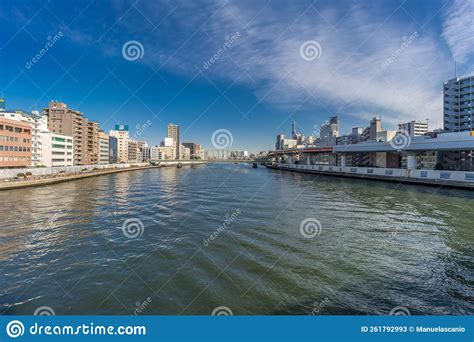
[104,149]
[173,132]
[458,109]
[15,143]
[65,121]
[122,145]
[92,155]
[414,128]
[458,114]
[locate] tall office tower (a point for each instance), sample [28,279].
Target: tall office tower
[458,117]
[92,155]
[65,121]
[173,132]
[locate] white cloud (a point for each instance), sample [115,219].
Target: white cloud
[352,73]
[458,29]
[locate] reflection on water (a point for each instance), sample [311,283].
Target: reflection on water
[382,245]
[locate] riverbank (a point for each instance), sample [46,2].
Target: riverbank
[452,179]
[85,173]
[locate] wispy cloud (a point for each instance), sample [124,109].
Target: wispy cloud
[351,74]
[458,29]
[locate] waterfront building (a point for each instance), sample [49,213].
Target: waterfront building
[143,151]
[162,153]
[58,150]
[39,126]
[185,152]
[66,121]
[104,148]
[15,143]
[92,138]
[173,132]
[122,144]
[192,149]
[458,113]
[113,150]
[132,151]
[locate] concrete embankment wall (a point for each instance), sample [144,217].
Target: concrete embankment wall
[76,173]
[458,179]
[48,171]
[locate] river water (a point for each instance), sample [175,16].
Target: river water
[140,243]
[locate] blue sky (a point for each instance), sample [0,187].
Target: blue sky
[386,58]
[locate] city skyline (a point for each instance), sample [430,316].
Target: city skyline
[182,76]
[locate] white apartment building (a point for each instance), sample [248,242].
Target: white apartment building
[162,153]
[122,145]
[103,148]
[58,150]
[185,152]
[42,151]
[414,128]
